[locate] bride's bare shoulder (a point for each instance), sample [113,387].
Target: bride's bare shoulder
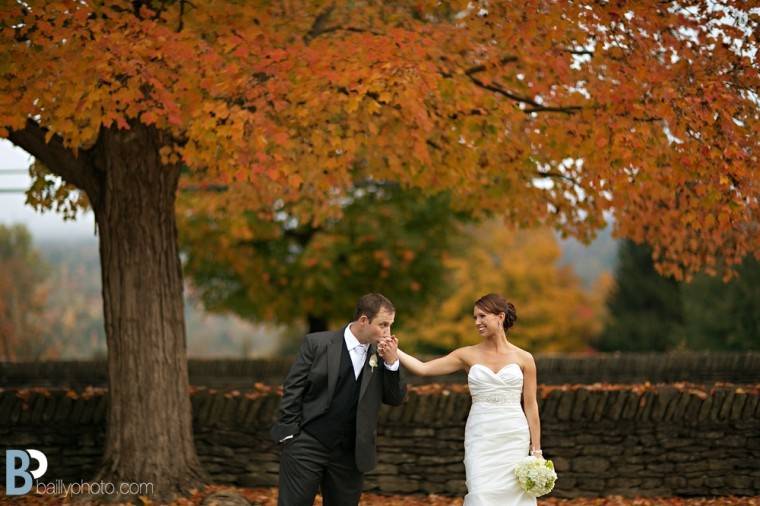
[526,359]
[466,354]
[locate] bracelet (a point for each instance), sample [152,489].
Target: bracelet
[536,452]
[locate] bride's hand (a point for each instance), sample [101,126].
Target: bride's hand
[388,349]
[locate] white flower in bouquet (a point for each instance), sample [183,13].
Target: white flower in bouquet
[536,476]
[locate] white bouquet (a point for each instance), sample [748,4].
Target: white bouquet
[536,476]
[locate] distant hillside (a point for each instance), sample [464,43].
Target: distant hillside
[592,260]
[75,311]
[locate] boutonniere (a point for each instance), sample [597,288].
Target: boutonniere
[373,362]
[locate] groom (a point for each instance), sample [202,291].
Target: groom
[330,400]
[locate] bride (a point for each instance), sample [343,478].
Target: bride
[498,433]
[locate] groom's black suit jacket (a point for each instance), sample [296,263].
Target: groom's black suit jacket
[310,386]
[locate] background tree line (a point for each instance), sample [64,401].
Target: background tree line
[649,312]
[434,265]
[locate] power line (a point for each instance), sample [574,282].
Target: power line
[13,172]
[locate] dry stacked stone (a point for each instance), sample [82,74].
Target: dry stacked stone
[649,440]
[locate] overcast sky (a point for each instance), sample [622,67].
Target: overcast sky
[48,225]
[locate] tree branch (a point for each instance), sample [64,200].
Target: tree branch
[61,161]
[579,52]
[572,109]
[647,119]
[320,25]
[480,68]
[339,28]
[181,23]
[216,188]
[503,92]
[558,175]
[302,236]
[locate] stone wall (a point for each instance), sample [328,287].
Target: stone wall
[631,440]
[629,368]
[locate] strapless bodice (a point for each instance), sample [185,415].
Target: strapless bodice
[502,387]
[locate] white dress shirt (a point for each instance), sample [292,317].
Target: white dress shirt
[358,353]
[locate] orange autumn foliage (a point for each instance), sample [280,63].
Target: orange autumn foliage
[546,112]
[554,313]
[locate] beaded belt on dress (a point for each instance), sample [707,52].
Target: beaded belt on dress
[510,398]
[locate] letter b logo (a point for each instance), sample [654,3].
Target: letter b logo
[12,471]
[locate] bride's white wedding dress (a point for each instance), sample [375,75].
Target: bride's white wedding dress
[496,437]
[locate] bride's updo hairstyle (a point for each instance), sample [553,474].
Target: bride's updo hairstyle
[494,303]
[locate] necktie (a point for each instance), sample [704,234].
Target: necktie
[360,353]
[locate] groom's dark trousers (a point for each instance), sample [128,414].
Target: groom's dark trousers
[332,416]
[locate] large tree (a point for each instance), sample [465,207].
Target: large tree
[541,111]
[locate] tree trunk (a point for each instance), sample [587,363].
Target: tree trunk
[149,437]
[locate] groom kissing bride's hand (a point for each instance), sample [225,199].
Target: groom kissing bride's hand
[327,426]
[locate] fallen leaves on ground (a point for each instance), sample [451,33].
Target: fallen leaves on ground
[268,497]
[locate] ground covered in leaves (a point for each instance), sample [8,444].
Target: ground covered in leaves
[268,497]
